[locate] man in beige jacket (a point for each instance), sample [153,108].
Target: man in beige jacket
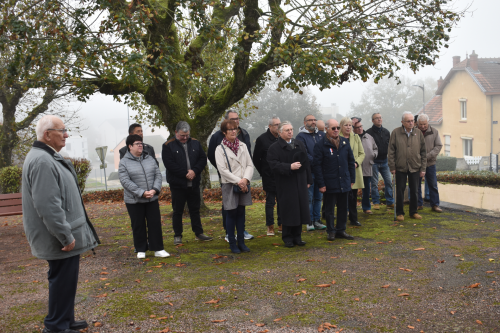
[407,161]
[433,147]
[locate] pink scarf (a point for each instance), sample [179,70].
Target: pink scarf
[233,146]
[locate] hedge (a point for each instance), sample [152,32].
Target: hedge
[10,179]
[446,163]
[82,168]
[474,178]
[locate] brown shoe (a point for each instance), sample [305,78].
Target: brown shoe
[437,209]
[270,230]
[367,212]
[416,216]
[400,218]
[420,207]
[280,228]
[390,206]
[376,206]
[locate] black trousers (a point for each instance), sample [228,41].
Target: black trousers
[180,196]
[146,226]
[63,280]
[235,218]
[271,200]
[413,183]
[353,203]
[291,234]
[339,199]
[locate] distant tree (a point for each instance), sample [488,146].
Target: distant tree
[391,99]
[285,104]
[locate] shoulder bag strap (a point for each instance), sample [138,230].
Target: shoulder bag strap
[228,165]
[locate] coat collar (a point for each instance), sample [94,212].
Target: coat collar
[283,144]
[271,136]
[429,131]
[49,150]
[342,143]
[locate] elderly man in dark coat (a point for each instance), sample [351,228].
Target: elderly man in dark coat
[262,145]
[335,173]
[289,162]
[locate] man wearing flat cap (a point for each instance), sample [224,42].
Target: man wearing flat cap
[289,163]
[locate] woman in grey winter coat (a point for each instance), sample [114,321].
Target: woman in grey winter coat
[141,181]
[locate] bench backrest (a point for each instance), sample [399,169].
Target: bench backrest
[11,204]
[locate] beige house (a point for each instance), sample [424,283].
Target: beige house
[466,107]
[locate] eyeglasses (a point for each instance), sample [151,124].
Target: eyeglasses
[62,130]
[138,144]
[311,120]
[410,121]
[184,136]
[336,128]
[237,118]
[232,129]
[376,118]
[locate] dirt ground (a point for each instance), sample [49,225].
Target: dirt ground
[440,274]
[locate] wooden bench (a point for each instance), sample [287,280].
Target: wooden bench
[11,204]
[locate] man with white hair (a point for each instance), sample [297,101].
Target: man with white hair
[407,160]
[262,144]
[433,146]
[55,221]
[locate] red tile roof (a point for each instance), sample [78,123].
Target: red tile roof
[434,109]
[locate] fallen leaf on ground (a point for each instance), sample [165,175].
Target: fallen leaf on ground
[333,282]
[170,303]
[277,319]
[166,330]
[180,265]
[489,272]
[452,312]
[162,318]
[213,301]
[296,294]
[218,321]
[410,327]
[386,286]
[326,285]
[150,271]
[440,261]
[301,280]
[221,287]
[260,325]
[491,259]
[159,266]
[264,331]
[479,322]
[278,293]
[103,279]
[304,292]
[101,296]
[152,316]
[104,273]
[457,255]
[138,281]
[235,273]
[404,294]
[356,299]
[475,285]
[98,324]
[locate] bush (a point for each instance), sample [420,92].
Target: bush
[474,178]
[114,176]
[10,179]
[82,168]
[446,163]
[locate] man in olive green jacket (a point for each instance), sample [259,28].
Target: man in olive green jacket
[55,222]
[407,161]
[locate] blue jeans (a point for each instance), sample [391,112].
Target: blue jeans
[365,201]
[427,197]
[383,168]
[315,197]
[431,178]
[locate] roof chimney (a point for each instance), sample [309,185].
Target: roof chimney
[456,60]
[473,61]
[440,82]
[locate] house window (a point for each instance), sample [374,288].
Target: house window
[447,144]
[463,109]
[467,144]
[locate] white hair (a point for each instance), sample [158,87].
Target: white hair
[405,113]
[45,123]
[273,118]
[422,117]
[283,124]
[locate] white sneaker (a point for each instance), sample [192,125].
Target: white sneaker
[162,254]
[141,255]
[226,239]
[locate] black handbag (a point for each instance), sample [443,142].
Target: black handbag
[236,188]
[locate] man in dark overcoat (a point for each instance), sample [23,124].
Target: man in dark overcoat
[289,162]
[262,145]
[335,173]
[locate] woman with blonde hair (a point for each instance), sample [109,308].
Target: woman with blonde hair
[359,155]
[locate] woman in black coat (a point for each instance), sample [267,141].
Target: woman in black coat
[290,165]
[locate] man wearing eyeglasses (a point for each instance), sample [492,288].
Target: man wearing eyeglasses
[407,161]
[216,140]
[137,129]
[55,222]
[381,136]
[309,135]
[262,145]
[335,174]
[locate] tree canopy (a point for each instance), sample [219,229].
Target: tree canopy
[191,60]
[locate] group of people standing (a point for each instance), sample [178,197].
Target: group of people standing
[328,165]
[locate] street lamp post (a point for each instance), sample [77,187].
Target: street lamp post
[423,95]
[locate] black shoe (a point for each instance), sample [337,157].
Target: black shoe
[234,248]
[68,330]
[243,247]
[356,223]
[331,236]
[343,234]
[79,325]
[203,237]
[299,243]
[289,244]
